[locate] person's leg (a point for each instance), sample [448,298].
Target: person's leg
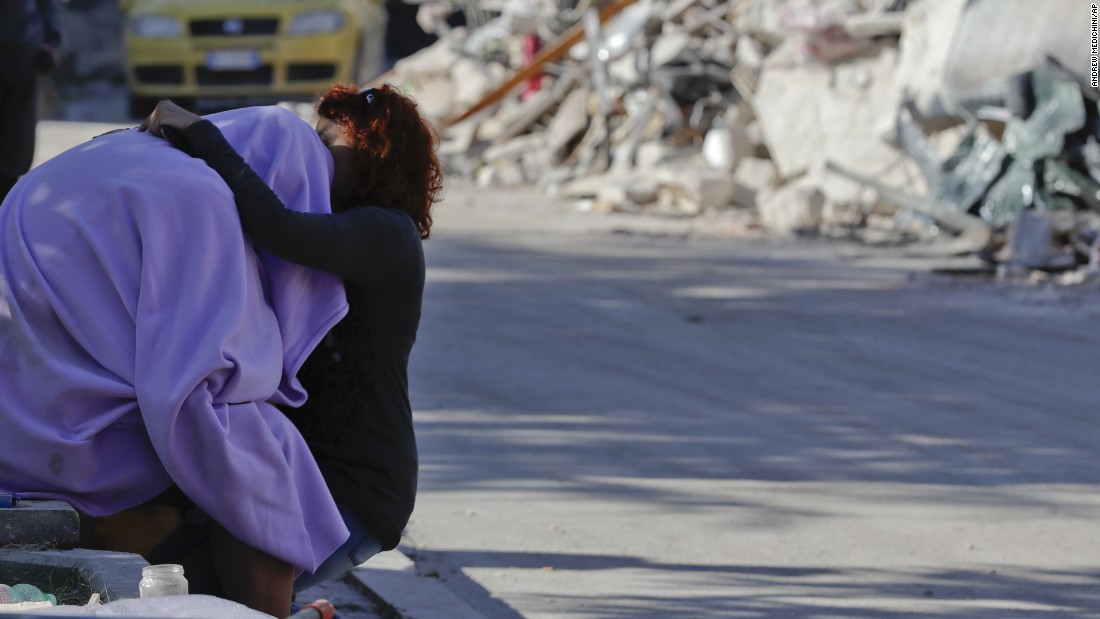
[192,544]
[217,563]
[189,545]
[251,576]
[18,115]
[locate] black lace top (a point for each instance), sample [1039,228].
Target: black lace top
[357,420]
[338,377]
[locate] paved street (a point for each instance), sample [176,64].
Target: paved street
[624,416]
[618,418]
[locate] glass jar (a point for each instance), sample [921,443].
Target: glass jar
[161,580]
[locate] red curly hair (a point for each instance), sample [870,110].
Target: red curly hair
[396,147]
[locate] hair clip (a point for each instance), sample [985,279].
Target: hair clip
[368,94]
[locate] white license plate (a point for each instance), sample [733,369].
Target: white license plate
[232,60]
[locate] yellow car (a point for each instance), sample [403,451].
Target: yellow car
[227,54]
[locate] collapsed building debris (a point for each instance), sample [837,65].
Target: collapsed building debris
[907,118]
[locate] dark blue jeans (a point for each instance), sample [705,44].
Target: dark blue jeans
[362,544]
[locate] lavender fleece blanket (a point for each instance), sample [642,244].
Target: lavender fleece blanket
[143,340]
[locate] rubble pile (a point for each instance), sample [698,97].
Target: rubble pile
[936,123]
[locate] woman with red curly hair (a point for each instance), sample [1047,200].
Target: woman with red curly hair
[357,420]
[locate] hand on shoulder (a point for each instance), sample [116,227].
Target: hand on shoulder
[168,114]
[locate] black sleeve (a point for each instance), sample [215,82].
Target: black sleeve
[353,244]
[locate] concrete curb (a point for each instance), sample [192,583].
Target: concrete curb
[391,579]
[52,524]
[114,575]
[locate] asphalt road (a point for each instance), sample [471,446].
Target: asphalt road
[628,417]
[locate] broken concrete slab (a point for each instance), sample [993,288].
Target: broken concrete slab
[768,92]
[856,114]
[696,189]
[725,146]
[652,155]
[810,114]
[869,25]
[434,60]
[925,44]
[589,186]
[757,174]
[641,189]
[794,208]
[749,53]
[471,80]
[786,107]
[513,120]
[980,62]
[569,122]
[614,198]
[503,175]
[436,97]
[516,148]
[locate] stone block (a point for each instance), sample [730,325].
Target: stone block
[793,208]
[570,120]
[749,53]
[997,39]
[589,186]
[725,147]
[654,154]
[757,174]
[114,575]
[614,197]
[505,175]
[814,114]
[434,60]
[641,190]
[471,82]
[436,96]
[696,189]
[926,43]
[787,106]
[650,154]
[514,149]
[52,524]
[670,45]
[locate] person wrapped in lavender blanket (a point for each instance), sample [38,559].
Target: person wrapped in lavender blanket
[163,317]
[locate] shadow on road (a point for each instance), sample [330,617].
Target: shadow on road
[817,593]
[663,371]
[640,362]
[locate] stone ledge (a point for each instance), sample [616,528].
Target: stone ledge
[114,575]
[47,524]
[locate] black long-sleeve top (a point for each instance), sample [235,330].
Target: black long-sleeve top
[357,420]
